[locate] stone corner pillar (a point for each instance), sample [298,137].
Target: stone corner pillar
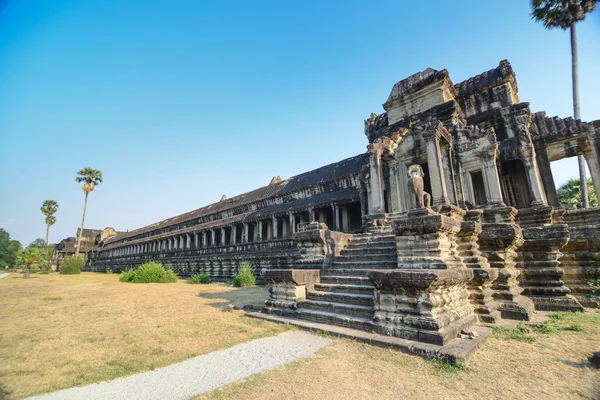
[288,287]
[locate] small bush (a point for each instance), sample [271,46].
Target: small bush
[150,272]
[547,327]
[574,328]
[127,275]
[245,276]
[199,279]
[72,265]
[109,271]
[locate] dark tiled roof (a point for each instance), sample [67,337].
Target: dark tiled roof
[324,174]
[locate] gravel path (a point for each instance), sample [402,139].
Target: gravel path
[202,374]
[4,275]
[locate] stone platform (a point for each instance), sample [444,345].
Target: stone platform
[457,351]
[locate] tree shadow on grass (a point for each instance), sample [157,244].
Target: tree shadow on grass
[238,297]
[581,364]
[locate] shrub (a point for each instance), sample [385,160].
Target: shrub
[109,271]
[150,272]
[199,278]
[72,265]
[245,276]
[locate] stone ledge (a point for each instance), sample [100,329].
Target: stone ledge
[296,276]
[418,278]
[457,351]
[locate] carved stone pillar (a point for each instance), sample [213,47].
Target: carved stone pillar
[499,241]
[245,238]
[258,231]
[204,239]
[213,236]
[292,223]
[375,189]
[547,179]
[223,240]
[336,217]
[528,158]
[593,160]
[493,191]
[439,194]
[234,234]
[275,228]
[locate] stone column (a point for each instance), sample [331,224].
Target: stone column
[439,194]
[345,219]
[275,227]
[245,238]
[533,178]
[292,223]
[213,236]
[259,232]
[195,240]
[336,217]
[223,238]
[233,234]
[311,214]
[491,178]
[593,160]
[204,239]
[543,164]
[376,203]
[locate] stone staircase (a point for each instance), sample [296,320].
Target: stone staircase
[344,297]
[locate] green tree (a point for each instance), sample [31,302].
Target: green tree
[569,194]
[565,14]
[9,250]
[38,243]
[31,257]
[90,178]
[49,208]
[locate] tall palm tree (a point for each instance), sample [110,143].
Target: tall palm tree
[565,14]
[90,178]
[49,208]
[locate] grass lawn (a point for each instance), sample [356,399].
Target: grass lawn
[534,366]
[59,331]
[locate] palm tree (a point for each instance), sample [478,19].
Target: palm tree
[91,178]
[565,14]
[28,258]
[48,208]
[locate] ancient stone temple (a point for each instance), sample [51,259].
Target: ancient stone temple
[450,218]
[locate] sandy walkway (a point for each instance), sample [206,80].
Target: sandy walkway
[202,374]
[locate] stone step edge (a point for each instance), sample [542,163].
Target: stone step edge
[342,306]
[340,294]
[457,351]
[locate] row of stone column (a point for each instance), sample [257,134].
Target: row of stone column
[261,230]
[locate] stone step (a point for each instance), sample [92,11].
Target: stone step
[387,264]
[364,250]
[337,308]
[346,280]
[345,289]
[366,257]
[345,298]
[347,321]
[355,272]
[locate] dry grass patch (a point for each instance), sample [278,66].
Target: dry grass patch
[60,331]
[553,367]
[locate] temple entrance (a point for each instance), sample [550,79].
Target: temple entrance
[478,188]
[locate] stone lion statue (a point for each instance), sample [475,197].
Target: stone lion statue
[421,198]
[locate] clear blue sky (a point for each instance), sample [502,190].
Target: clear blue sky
[178,102]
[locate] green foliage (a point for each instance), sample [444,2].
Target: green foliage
[90,177]
[560,13]
[569,194]
[109,271]
[150,272]
[38,243]
[72,265]
[547,327]
[199,279]
[9,249]
[443,365]
[245,276]
[574,328]
[594,285]
[52,298]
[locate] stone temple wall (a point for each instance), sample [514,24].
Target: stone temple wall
[454,193]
